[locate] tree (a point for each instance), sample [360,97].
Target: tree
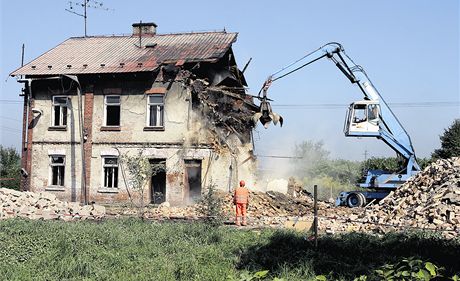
[450,142]
[10,168]
[314,166]
[136,171]
[312,158]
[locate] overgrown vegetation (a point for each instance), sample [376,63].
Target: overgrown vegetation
[211,207]
[136,171]
[132,249]
[10,167]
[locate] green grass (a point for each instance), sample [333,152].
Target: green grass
[131,249]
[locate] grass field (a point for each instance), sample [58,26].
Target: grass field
[131,249]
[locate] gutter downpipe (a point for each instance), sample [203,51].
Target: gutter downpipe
[80,121]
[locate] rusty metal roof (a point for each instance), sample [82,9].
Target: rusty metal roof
[118,54]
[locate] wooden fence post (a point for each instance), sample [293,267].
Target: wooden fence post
[315,213]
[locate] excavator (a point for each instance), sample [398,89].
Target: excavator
[369,117]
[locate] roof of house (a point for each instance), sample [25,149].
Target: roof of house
[120,54]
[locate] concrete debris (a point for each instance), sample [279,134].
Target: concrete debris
[44,206]
[271,208]
[430,200]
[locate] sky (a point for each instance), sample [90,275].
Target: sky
[410,50]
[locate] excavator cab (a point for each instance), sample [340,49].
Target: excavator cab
[363,118]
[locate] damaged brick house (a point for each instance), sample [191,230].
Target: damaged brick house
[177,98]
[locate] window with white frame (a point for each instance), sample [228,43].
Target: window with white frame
[59,118]
[57,168]
[112,110]
[155,107]
[110,167]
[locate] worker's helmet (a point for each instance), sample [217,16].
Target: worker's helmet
[242,183]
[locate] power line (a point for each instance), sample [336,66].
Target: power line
[12,119]
[11,129]
[279,156]
[11,101]
[394,105]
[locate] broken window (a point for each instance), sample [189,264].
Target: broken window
[155,111]
[59,111]
[110,167]
[57,167]
[112,110]
[158,180]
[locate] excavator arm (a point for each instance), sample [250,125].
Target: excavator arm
[370,117]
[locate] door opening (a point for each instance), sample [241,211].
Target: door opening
[193,180]
[158,181]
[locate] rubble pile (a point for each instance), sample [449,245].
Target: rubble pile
[44,206]
[429,200]
[265,209]
[230,111]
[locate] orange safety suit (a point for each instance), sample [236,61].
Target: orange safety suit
[241,200]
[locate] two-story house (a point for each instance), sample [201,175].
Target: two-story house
[178,99]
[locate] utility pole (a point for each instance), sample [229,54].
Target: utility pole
[85,4]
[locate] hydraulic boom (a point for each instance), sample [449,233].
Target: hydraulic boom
[370,117]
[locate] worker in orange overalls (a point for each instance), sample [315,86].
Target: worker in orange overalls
[241,200]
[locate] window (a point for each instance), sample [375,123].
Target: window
[57,165]
[110,166]
[359,113]
[112,110]
[373,112]
[155,104]
[59,118]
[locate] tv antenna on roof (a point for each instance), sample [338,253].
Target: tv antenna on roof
[85,4]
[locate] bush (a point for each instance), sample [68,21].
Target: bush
[211,207]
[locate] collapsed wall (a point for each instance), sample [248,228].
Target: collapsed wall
[224,118]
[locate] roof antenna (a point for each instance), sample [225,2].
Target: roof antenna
[86,4]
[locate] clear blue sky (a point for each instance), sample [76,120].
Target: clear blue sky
[409,48]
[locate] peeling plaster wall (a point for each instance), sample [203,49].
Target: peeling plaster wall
[133,117]
[46,142]
[41,171]
[185,137]
[43,122]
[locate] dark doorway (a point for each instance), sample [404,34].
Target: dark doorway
[193,180]
[158,181]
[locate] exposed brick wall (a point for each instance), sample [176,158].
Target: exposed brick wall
[88,145]
[26,154]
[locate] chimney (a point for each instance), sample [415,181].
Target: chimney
[145,28]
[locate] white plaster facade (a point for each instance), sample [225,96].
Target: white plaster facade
[185,137]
